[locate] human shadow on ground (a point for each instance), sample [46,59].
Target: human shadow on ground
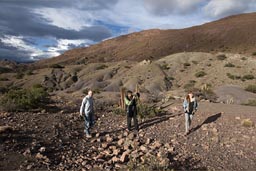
[210,119]
[146,123]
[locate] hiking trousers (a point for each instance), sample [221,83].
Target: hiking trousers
[89,122]
[188,120]
[135,121]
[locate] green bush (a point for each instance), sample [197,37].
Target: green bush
[221,57]
[229,65]
[145,111]
[200,74]
[248,77]
[251,88]
[195,62]
[23,99]
[190,85]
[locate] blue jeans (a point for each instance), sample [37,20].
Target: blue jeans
[89,122]
[188,120]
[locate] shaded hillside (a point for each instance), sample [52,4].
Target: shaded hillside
[235,34]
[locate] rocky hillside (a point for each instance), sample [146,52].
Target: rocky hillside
[235,34]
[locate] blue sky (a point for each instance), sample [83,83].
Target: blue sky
[36,29]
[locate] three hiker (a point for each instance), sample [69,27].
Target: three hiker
[190,107]
[87,111]
[131,109]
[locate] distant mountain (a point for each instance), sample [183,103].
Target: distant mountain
[235,34]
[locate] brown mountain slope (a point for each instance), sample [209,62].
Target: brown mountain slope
[234,34]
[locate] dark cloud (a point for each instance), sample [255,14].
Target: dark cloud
[17,18]
[21,21]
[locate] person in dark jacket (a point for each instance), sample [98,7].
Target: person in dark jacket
[131,108]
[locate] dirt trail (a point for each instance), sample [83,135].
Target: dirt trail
[218,140]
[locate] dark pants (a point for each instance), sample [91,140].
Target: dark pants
[135,121]
[89,122]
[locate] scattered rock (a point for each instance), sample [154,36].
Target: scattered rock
[120,142]
[125,157]
[115,159]
[5,129]
[143,148]
[42,149]
[104,145]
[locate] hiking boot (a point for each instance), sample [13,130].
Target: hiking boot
[88,136]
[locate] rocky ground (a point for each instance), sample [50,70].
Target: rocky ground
[222,138]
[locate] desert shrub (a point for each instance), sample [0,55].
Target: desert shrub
[56,66]
[200,74]
[74,78]
[221,57]
[243,58]
[195,62]
[118,111]
[254,54]
[247,123]
[250,103]
[4,79]
[248,77]
[190,85]
[229,65]
[29,72]
[23,99]
[165,66]
[251,88]
[169,78]
[146,111]
[5,70]
[100,67]
[233,77]
[207,94]
[186,64]
[19,75]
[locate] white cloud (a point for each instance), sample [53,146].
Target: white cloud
[167,7]
[223,8]
[65,44]
[67,18]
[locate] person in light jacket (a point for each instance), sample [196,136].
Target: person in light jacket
[87,111]
[190,107]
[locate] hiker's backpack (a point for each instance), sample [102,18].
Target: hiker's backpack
[191,107]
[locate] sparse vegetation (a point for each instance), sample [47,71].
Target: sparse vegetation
[233,77]
[221,57]
[200,74]
[118,111]
[146,111]
[251,88]
[29,72]
[4,70]
[186,64]
[243,58]
[165,66]
[190,85]
[56,66]
[19,75]
[4,79]
[100,67]
[229,65]
[254,54]
[95,91]
[23,99]
[248,77]
[250,103]
[195,62]
[247,123]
